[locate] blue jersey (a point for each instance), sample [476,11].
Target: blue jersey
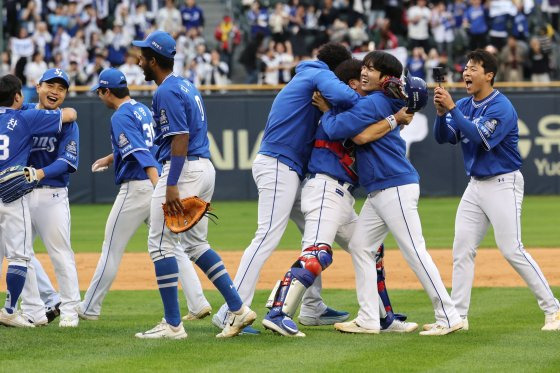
[132,139]
[178,109]
[62,147]
[192,17]
[292,121]
[476,16]
[490,147]
[17,128]
[382,163]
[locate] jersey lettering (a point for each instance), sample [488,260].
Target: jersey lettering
[45,143]
[199,104]
[4,147]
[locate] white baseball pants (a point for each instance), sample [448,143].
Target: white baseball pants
[395,210]
[497,201]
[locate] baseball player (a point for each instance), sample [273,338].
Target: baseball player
[17,129]
[50,212]
[181,133]
[137,173]
[486,126]
[327,204]
[391,204]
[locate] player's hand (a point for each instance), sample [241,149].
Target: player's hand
[320,102]
[443,98]
[102,164]
[174,205]
[403,117]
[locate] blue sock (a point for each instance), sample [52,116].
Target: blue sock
[211,263]
[167,275]
[15,279]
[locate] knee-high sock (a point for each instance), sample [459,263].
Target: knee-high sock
[211,263]
[167,275]
[15,279]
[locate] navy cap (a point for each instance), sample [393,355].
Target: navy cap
[110,78]
[55,74]
[160,42]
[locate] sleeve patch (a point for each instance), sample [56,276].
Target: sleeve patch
[123,141]
[488,127]
[72,147]
[163,117]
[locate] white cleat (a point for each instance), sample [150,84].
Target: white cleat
[398,326]
[237,321]
[42,321]
[14,319]
[199,315]
[353,327]
[551,322]
[438,329]
[69,321]
[465,325]
[84,316]
[164,330]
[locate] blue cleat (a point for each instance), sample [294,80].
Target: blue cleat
[281,324]
[329,317]
[249,330]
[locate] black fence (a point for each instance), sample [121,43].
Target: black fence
[236,123]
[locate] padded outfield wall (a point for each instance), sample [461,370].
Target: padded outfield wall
[236,122]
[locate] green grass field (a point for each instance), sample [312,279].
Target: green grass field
[237,224]
[505,323]
[505,336]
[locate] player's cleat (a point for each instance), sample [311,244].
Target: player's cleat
[217,321]
[353,327]
[282,325]
[249,330]
[82,315]
[438,329]
[465,325]
[43,321]
[398,326]
[15,319]
[69,322]
[199,315]
[551,322]
[329,317]
[164,330]
[52,312]
[237,321]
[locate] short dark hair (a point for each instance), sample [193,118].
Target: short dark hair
[121,92]
[9,86]
[333,54]
[162,61]
[348,70]
[488,62]
[383,62]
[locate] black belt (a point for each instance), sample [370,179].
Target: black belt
[189,158]
[349,186]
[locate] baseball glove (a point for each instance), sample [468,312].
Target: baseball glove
[17,181]
[194,208]
[393,87]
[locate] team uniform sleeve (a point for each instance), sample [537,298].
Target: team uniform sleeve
[43,122]
[69,147]
[130,140]
[351,122]
[28,106]
[335,91]
[172,113]
[445,130]
[498,120]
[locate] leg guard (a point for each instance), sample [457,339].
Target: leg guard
[386,310]
[287,294]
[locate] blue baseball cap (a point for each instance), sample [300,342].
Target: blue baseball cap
[110,78]
[51,74]
[160,42]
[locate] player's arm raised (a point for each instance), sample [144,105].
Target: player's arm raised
[69,115]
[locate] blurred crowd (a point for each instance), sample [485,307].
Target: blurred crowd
[262,41]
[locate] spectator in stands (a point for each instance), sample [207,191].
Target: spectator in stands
[442,28]
[30,17]
[22,46]
[552,9]
[58,18]
[93,69]
[520,27]
[228,36]
[88,21]
[216,71]
[418,25]
[77,49]
[126,21]
[5,67]
[257,17]
[250,56]
[131,70]
[76,74]
[169,18]
[358,34]
[285,59]
[328,14]
[269,67]
[192,15]
[117,42]
[475,23]
[416,64]
[73,15]
[34,69]
[191,73]
[278,22]
[387,40]
[141,21]
[501,12]
[42,40]
[431,62]
[512,58]
[539,62]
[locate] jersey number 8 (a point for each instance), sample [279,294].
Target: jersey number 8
[4,147]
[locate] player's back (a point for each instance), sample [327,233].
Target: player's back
[178,109]
[16,132]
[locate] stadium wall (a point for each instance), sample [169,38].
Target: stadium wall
[236,123]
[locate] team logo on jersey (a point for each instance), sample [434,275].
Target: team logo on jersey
[12,123]
[123,141]
[163,117]
[72,147]
[45,143]
[491,125]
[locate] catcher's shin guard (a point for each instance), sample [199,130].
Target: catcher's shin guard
[385,308]
[287,294]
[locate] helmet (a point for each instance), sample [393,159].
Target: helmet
[417,92]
